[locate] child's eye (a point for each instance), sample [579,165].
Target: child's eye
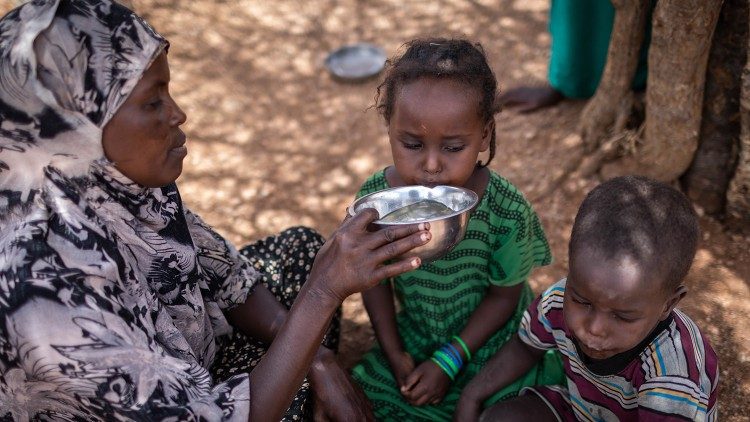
[580,302]
[622,318]
[454,148]
[412,145]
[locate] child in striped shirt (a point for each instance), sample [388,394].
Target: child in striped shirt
[629,354]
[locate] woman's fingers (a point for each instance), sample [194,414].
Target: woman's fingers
[396,268]
[388,235]
[401,246]
[362,219]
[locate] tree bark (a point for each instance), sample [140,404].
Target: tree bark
[612,102]
[680,43]
[738,195]
[707,179]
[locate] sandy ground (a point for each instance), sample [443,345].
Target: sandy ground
[274,141]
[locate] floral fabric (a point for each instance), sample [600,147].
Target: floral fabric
[111,294]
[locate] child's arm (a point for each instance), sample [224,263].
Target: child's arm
[428,383]
[382,312]
[513,360]
[493,313]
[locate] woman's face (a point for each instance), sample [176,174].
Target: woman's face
[143,139]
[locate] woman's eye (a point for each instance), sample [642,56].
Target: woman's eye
[154,104]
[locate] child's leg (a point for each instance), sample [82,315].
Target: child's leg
[529,407]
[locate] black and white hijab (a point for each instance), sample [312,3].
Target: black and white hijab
[110,293]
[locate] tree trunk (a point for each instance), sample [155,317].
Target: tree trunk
[680,43]
[707,179]
[738,195]
[612,102]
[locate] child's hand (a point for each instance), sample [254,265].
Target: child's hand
[426,385]
[402,365]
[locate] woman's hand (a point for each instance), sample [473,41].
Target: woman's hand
[352,260]
[426,385]
[468,408]
[337,396]
[402,365]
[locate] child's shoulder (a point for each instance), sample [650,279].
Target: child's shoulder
[374,183]
[680,350]
[500,190]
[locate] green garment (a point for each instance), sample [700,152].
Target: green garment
[580,31]
[504,241]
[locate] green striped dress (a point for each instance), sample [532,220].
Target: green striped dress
[504,241]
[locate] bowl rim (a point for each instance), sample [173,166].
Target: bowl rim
[469,192]
[377,56]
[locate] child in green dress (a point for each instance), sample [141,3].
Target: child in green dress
[439,100]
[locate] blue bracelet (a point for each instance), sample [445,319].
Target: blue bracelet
[451,349]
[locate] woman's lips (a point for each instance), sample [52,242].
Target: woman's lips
[180,150]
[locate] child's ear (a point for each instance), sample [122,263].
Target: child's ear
[673,300]
[489,129]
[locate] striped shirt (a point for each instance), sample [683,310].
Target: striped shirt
[675,376]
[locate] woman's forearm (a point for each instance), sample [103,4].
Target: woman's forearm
[260,316]
[279,374]
[382,312]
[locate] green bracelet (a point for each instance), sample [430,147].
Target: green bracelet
[441,355]
[444,368]
[463,346]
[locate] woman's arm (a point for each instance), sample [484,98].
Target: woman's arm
[337,397]
[382,312]
[351,261]
[260,316]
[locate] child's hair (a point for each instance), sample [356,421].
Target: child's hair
[641,218]
[443,58]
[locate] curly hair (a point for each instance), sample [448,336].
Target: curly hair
[456,59]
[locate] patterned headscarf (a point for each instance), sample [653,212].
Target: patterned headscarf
[111,294]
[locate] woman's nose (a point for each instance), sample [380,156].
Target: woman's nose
[178,116]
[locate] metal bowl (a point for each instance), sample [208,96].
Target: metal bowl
[356,62]
[447,231]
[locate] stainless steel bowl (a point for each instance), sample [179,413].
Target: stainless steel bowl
[446,231]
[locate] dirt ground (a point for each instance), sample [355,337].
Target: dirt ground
[274,141]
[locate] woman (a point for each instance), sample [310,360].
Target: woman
[112,295]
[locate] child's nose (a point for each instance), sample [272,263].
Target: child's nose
[432,163]
[597,325]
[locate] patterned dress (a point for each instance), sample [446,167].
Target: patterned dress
[504,241]
[112,294]
[672,374]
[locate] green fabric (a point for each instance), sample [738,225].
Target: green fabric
[504,241]
[580,31]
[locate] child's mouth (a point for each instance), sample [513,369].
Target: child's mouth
[594,352]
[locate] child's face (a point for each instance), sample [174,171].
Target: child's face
[612,305]
[436,133]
